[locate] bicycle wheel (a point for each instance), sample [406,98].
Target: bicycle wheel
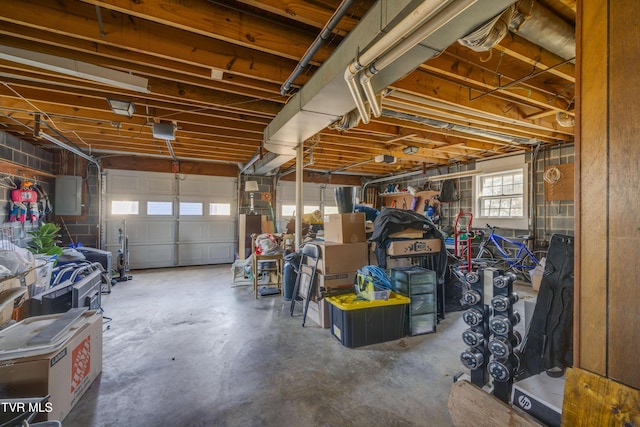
[484,258]
[526,264]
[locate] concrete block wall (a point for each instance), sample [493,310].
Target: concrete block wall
[22,161]
[552,216]
[23,153]
[448,211]
[83,228]
[265,184]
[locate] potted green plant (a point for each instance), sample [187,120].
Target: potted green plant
[44,240]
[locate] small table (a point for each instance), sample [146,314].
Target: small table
[266,270]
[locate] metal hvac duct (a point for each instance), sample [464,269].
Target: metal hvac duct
[326,97]
[531,21]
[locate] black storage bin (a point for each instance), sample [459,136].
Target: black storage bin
[360,323]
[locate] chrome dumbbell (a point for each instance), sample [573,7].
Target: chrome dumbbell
[502,347]
[503,325]
[504,280]
[473,317]
[502,370]
[472,358]
[502,303]
[472,338]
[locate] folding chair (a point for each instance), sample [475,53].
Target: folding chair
[306,278]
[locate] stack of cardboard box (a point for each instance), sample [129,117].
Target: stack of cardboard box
[343,252]
[14,293]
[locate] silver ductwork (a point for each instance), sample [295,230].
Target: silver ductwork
[325,98]
[531,21]
[539,25]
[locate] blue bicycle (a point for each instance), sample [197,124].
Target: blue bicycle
[508,254]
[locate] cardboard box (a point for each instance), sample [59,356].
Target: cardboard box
[318,311]
[338,281]
[65,372]
[540,396]
[398,262]
[414,247]
[342,257]
[267,225]
[345,228]
[536,277]
[23,279]
[409,233]
[9,300]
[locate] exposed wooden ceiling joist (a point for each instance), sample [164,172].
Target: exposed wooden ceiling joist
[256,44]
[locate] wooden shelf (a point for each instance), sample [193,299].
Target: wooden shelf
[402,193]
[425,196]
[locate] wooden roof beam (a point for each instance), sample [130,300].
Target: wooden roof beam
[137,35]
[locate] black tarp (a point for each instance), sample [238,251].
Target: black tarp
[392,221]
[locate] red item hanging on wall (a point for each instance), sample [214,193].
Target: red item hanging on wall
[24,200]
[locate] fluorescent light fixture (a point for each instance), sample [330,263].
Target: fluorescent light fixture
[122,108]
[71,67]
[164,131]
[384,158]
[217,74]
[411,149]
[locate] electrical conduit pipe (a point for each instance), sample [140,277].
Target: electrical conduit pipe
[431,26]
[405,26]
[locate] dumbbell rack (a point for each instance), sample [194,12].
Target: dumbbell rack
[505,360]
[491,336]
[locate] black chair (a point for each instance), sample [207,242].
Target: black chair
[305,282]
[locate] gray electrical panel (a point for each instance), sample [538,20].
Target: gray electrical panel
[68,195]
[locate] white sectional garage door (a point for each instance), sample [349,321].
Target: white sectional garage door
[171,219]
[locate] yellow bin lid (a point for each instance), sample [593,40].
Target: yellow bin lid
[349,302]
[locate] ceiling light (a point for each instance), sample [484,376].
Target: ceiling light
[122,108]
[411,149]
[217,74]
[384,158]
[164,131]
[71,67]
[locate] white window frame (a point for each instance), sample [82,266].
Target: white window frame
[134,206]
[160,202]
[498,167]
[212,210]
[306,208]
[186,213]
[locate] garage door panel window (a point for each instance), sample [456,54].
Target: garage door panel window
[191,209]
[328,210]
[125,207]
[220,209]
[160,208]
[290,210]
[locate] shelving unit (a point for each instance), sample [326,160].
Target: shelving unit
[403,200]
[266,270]
[420,285]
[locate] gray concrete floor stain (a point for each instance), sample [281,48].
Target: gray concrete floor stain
[186,348]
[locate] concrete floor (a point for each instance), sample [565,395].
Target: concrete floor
[185,348]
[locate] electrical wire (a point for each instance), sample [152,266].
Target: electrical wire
[379,276]
[552,175]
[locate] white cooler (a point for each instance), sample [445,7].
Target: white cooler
[57,355]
